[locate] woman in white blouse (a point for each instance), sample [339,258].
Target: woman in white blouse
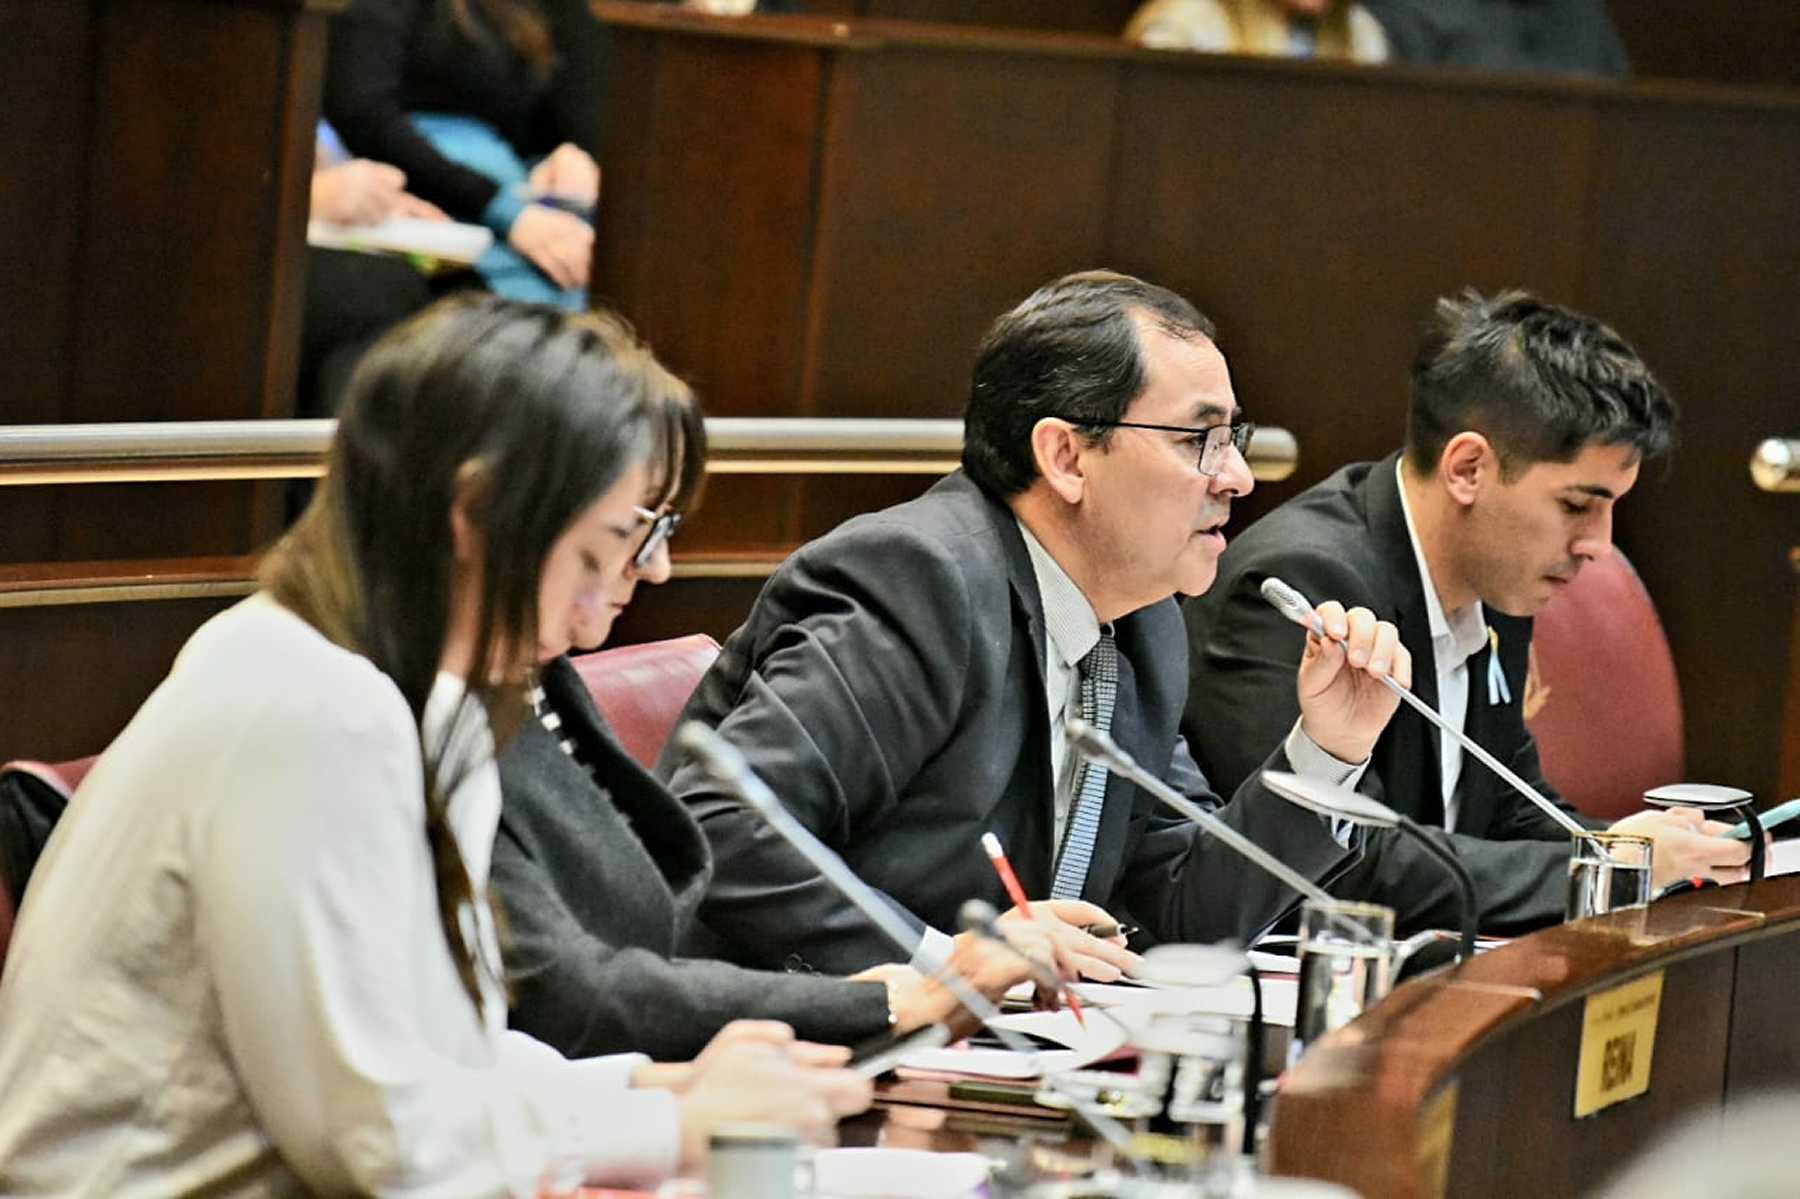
[258,956]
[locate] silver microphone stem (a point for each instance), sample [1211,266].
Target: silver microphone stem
[1091,743]
[1291,604]
[727,767]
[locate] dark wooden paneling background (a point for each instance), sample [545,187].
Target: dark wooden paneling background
[812,218]
[1314,210]
[152,222]
[151,230]
[1754,42]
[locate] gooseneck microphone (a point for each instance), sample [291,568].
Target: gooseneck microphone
[1097,746]
[725,765]
[1291,604]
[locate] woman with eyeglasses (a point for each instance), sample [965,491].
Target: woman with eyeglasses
[259,954]
[603,870]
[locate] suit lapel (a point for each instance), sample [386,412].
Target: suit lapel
[670,837]
[1411,767]
[1029,845]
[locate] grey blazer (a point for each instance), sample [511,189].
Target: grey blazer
[599,887]
[888,685]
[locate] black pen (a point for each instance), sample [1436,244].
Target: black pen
[1110,930]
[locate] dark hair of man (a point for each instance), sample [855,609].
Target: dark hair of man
[1538,381]
[1070,350]
[527,413]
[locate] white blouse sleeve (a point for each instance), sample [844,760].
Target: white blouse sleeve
[363,1057]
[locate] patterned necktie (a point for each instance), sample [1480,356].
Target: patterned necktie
[1099,687]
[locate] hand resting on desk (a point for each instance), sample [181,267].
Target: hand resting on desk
[756,1070]
[1688,846]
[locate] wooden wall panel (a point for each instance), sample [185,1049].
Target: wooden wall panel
[45,58]
[953,184]
[77,674]
[1693,239]
[1074,16]
[176,260]
[1316,211]
[711,148]
[153,258]
[1316,229]
[1748,42]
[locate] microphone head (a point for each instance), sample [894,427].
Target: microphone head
[1287,601]
[1090,742]
[978,916]
[1330,799]
[721,760]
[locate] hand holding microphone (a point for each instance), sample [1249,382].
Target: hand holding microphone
[1344,701]
[1355,713]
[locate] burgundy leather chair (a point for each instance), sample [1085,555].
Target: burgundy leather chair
[641,689]
[1610,725]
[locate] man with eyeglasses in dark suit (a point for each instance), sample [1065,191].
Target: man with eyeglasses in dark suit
[904,682]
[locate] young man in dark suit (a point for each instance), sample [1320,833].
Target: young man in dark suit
[903,683]
[1527,424]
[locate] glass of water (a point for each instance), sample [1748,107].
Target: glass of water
[1346,964]
[1608,872]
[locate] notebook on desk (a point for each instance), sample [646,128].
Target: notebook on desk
[445,241]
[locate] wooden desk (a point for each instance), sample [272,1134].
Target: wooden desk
[1462,1083]
[822,217]
[1487,1053]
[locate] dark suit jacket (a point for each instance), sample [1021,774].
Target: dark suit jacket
[1346,539]
[599,888]
[888,685]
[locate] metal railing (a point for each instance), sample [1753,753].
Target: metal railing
[186,451]
[190,451]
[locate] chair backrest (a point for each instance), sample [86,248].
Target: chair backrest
[1610,725]
[32,798]
[641,689]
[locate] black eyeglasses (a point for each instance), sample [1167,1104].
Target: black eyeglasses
[1211,439]
[662,527]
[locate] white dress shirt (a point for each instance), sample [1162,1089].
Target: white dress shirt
[1455,638]
[230,975]
[1071,629]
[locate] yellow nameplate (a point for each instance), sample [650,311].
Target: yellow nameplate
[1618,1034]
[1437,1132]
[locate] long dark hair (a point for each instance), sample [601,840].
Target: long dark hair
[529,415]
[518,23]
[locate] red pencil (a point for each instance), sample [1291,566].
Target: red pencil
[1016,893]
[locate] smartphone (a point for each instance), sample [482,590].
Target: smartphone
[879,1054]
[1776,816]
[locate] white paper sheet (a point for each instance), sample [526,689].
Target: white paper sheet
[445,240]
[1100,1038]
[899,1173]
